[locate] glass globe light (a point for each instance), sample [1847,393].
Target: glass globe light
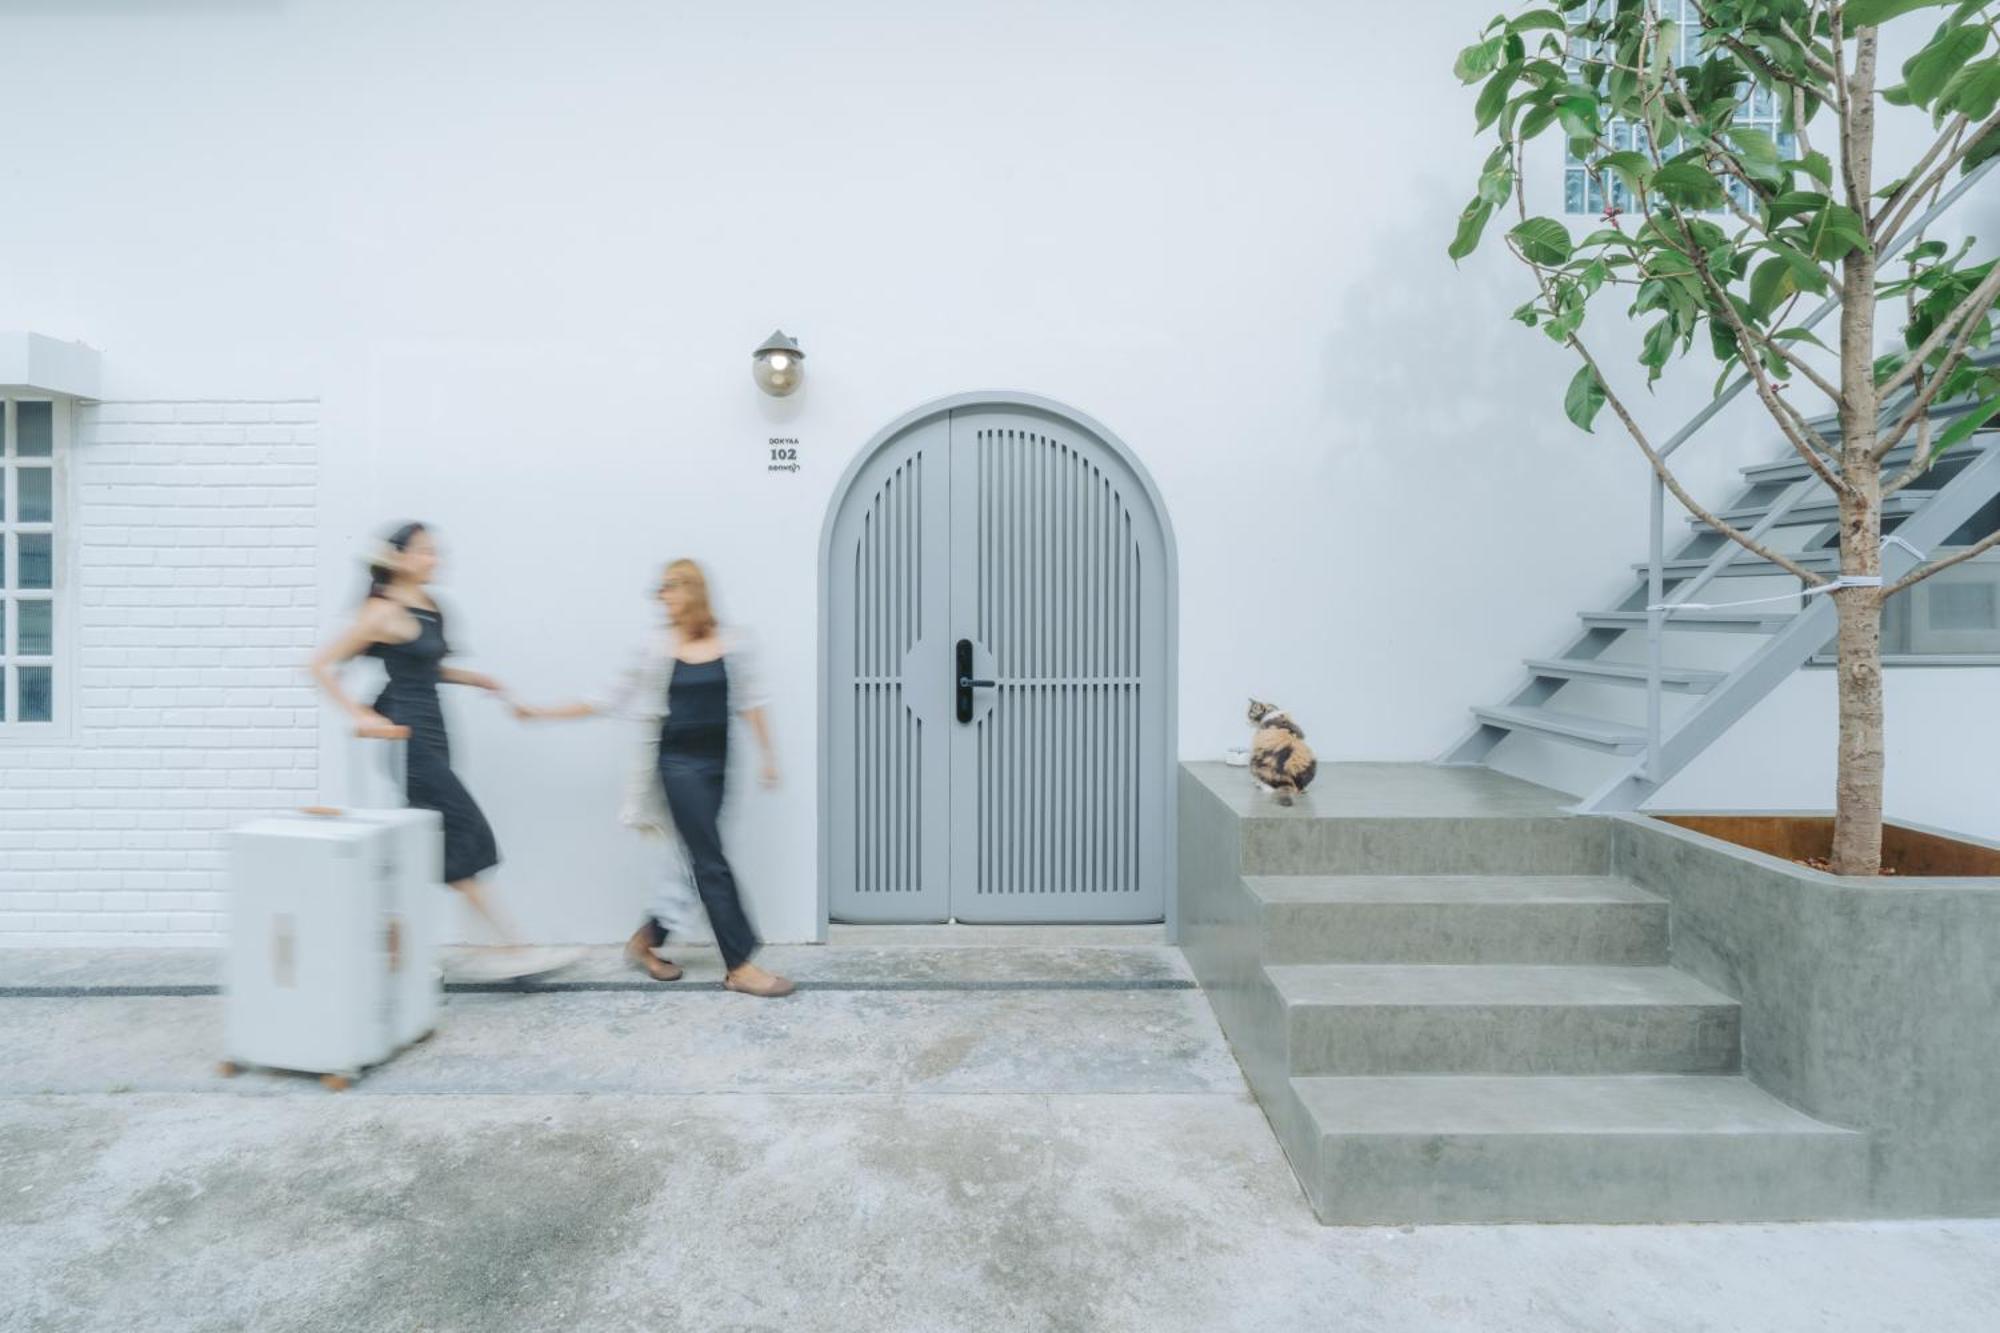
[778,366]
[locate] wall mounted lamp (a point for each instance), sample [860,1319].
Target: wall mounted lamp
[778,366]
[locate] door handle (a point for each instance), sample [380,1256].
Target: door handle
[964,682]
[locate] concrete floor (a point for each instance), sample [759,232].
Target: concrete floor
[918,1157]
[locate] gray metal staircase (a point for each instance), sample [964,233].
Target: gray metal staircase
[1784,503]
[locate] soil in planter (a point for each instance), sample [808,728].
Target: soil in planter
[1808,840]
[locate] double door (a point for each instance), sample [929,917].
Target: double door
[998,726]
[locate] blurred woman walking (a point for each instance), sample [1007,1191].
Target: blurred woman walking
[401,624]
[683,688]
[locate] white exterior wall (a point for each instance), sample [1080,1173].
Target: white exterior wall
[521,253]
[193,555]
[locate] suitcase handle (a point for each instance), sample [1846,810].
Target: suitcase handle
[392,732]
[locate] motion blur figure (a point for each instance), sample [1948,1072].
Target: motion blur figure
[400,623]
[682,688]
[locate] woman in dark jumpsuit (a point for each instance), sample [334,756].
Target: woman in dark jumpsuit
[400,624]
[681,686]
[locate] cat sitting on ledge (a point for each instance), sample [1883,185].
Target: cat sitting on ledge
[1280,759]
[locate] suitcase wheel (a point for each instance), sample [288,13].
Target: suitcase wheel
[336,1082]
[229,1069]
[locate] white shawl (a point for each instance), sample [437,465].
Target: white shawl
[639,695]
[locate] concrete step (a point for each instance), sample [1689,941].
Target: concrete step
[1458,919]
[1631,1148]
[1345,1018]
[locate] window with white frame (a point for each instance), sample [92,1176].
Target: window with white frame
[31,528]
[1584,192]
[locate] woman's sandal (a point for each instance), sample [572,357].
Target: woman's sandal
[659,969]
[769,990]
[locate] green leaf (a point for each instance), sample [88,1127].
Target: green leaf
[1543,241]
[1629,167]
[1817,165]
[1537,119]
[1656,349]
[1471,223]
[1897,94]
[1835,232]
[1930,69]
[1757,150]
[1985,146]
[1800,335]
[1770,284]
[1579,117]
[1963,428]
[1494,95]
[1687,184]
[1593,276]
[1476,62]
[1792,203]
[1584,399]
[1874,13]
[1806,275]
[1973,91]
[1539,18]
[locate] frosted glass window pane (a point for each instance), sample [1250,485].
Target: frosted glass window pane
[37,560]
[36,494]
[38,695]
[34,427]
[34,628]
[1962,606]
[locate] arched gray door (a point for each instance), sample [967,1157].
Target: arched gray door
[1012,544]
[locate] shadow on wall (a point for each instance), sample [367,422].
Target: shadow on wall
[1498,519]
[1494,516]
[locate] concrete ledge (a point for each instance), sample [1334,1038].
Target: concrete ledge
[35,361]
[1873,1004]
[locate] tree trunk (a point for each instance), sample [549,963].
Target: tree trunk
[1857,819]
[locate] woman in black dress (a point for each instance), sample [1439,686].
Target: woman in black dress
[400,624]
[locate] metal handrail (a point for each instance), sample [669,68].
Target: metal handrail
[1657,609]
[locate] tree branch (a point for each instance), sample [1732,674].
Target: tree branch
[1991,125]
[1970,308]
[1968,315]
[1789,419]
[1672,483]
[1814,61]
[1893,215]
[1916,576]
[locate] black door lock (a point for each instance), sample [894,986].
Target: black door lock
[966,684]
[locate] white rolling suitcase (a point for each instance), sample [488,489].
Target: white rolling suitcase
[335,918]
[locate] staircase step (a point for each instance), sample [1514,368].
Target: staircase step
[1793,468]
[1458,919]
[1626,1148]
[1717,622]
[1347,1018]
[1900,505]
[1685,680]
[1745,565]
[1574,728]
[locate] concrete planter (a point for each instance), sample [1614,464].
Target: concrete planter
[1872,1004]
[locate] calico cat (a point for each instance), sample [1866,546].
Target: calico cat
[1280,759]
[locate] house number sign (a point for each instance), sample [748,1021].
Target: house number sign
[782,454]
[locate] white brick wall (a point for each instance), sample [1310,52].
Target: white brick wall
[194,557]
